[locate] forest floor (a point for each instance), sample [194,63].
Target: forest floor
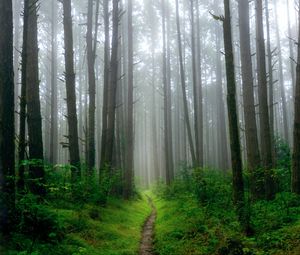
[146,247]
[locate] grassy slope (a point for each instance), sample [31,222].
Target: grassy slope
[91,230]
[183,227]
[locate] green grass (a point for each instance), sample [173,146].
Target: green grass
[93,230]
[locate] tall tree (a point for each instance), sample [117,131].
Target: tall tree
[91,58]
[7,130]
[106,82]
[54,114]
[128,189]
[253,156]
[296,151]
[167,98]
[265,132]
[34,118]
[236,159]
[22,121]
[71,94]
[112,91]
[281,79]
[196,84]
[183,86]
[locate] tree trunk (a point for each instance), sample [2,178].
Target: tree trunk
[106,82]
[253,156]
[7,129]
[54,109]
[128,189]
[183,86]
[34,118]
[265,132]
[112,91]
[281,81]
[22,122]
[91,58]
[70,88]
[296,152]
[236,159]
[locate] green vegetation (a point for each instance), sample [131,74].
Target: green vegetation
[86,218]
[196,216]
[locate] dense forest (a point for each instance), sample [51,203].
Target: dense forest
[149,127]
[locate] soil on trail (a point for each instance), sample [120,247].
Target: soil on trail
[146,247]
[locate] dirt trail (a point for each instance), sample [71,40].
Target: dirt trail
[146,247]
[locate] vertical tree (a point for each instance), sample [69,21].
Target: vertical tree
[22,121]
[54,115]
[112,91]
[253,156]
[236,159]
[265,132]
[128,189]
[7,143]
[167,96]
[281,79]
[70,88]
[91,58]
[183,87]
[296,151]
[197,124]
[106,81]
[34,118]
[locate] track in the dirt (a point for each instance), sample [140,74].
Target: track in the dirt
[146,247]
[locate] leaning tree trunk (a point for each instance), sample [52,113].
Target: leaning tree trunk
[7,129]
[71,94]
[265,132]
[296,152]
[34,118]
[183,86]
[253,156]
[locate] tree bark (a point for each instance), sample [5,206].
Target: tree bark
[296,151]
[253,156]
[71,94]
[128,189]
[236,159]
[54,109]
[7,129]
[34,118]
[265,132]
[112,91]
[183,86]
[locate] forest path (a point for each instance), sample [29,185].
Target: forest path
[146,247]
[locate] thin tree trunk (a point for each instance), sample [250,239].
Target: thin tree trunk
[296,151]
[128,189]
[54,108]
[281,81]
[183,86]
[112,92]
[71,95]
[265,132]
[106,82]
[236,159]
[253,156]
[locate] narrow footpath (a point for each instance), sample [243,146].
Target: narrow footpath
[146,247]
